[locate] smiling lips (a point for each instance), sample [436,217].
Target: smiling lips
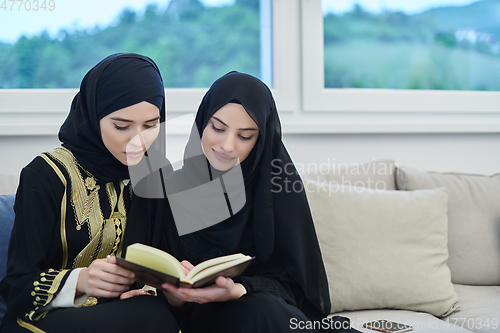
[134,154]
[225,158]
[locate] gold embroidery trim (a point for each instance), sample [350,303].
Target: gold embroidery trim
[84,198]
[29,327]
[118,217]
[105,235]
[91,301]
[45,289]
[63,210]
[86,205]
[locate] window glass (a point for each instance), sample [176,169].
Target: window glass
[418,44]
[193,41]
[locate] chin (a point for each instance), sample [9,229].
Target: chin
[221,166]
[133,161]
[130,161]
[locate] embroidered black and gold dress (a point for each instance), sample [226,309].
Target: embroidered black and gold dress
[74,205]
[65,219]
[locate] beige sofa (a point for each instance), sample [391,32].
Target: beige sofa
[420,248]
[414,247]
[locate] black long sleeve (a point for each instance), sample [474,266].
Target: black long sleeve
[34,268]
[65,219]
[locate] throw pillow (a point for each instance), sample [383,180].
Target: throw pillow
[473,221]
[385,249]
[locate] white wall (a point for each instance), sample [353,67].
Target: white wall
[470,153]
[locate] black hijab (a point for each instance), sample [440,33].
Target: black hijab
[118,81]
[276,222]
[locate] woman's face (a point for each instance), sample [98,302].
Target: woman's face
[127,133]
[229,137]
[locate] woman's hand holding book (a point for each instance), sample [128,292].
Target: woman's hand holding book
[103,278]
[223,290]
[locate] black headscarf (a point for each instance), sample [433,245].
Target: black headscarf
[118,81]
[275,221]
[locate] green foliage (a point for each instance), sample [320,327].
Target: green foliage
[8,72]
[446,38]
[482,14]
[373,64]
[398,51]
[192,44]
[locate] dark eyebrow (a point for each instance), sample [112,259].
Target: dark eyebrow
[241,129]
[130,121]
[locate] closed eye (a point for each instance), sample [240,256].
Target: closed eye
[246,137]
[218,130]
[121,128]
[149,126]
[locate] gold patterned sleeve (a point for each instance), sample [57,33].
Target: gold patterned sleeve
[44,289]
[35,270]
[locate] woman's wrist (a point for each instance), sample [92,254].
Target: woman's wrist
[80,282]
[172,300]
[240,290]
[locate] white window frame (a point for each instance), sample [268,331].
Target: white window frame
[306,107]
[388,110]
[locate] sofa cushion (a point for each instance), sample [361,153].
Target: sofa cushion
[473,221]
[385,249]
[480,308]
[421,322]
[378,174]
[6,223]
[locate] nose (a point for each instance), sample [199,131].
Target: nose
[137,141]
[227,144]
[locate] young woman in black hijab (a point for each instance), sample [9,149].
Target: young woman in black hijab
[233,195]
[75,210]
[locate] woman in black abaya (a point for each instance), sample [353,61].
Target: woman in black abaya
[233,195]
[75,210]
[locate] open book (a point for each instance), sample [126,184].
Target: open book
[155,267]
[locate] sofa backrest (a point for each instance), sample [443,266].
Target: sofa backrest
[8,184]
[377,175]
[6,223]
